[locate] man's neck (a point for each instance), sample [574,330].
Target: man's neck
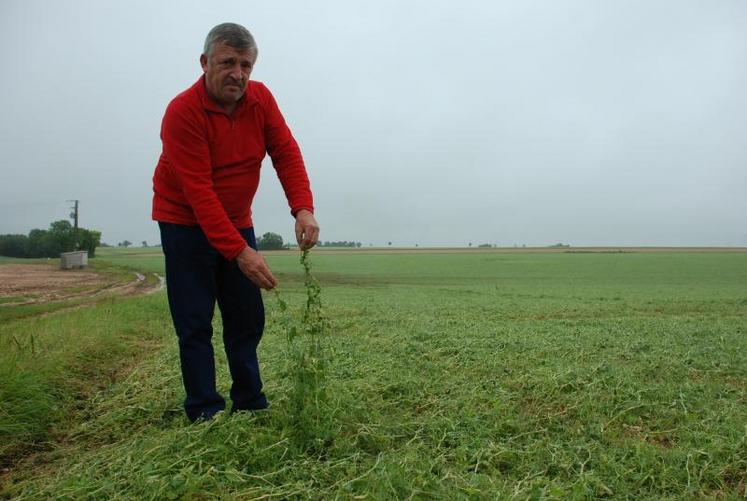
[229,108]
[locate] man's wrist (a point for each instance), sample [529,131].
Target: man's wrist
[296,212]
[246,251]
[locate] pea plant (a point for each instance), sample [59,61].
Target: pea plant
[306,365]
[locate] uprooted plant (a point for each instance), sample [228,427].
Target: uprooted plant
[306,365]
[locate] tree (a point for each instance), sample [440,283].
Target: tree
[124,243]
[60,237]
[88,240]
[145,243]
[14,245]
[270,241]
[39,244]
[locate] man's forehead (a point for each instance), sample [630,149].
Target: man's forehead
[223,50]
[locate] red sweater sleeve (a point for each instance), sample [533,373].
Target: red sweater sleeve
[186,147]
[286,157]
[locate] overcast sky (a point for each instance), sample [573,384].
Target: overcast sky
[588,122]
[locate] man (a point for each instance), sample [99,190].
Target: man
[215,135]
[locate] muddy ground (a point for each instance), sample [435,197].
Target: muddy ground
[39,280]
[31,283]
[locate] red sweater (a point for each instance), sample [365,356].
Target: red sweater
[208,172]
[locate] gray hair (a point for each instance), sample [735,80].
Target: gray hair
[233,35]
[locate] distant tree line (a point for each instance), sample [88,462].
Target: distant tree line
[273,241]
[341,243]
[60,237]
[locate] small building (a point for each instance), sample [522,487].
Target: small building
[75,259]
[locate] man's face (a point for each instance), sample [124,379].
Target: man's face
[227,73]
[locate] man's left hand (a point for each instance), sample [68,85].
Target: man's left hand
[307,229]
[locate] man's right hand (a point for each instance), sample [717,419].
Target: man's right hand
[253,265]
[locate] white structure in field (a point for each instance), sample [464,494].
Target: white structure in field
[76,259]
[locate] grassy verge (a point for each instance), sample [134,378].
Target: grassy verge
[146,260]
[450,377]
[50,365]
[19,260]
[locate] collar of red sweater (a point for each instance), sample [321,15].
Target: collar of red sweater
[246,100]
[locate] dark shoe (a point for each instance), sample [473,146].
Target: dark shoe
[253,410]
[205,417]
[258,404]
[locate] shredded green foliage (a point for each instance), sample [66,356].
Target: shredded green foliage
[472,375]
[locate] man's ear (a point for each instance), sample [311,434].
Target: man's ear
[203,62]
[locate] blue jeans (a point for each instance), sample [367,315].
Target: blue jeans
[196,276]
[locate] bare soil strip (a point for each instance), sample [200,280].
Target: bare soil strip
[22,284]
[44,280]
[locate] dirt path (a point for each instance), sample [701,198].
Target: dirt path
[22,284]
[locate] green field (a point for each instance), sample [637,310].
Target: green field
[448,375]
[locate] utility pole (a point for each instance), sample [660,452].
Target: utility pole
[74,214]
